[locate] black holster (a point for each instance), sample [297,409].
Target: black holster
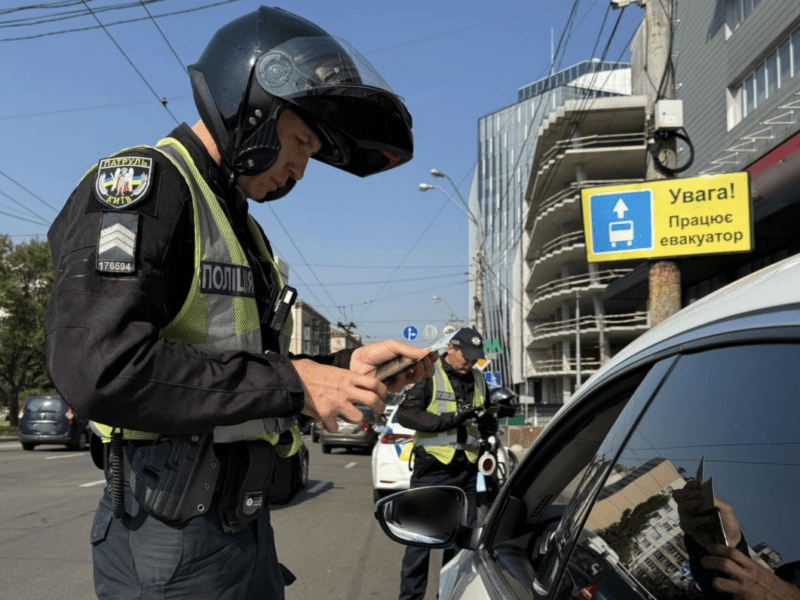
[249,468]
[174,478]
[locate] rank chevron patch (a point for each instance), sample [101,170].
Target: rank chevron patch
[116,244]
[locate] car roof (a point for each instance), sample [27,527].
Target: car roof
[769,297]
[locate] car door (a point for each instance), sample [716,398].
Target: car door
[730,415]
[520,528]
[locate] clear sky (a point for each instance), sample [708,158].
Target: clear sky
[69,100]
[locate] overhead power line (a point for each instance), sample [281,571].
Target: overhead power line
[18,184]
[175,54]
[120,22]
[459,274]
[417,267]
[463,29]
[414,245]
[21,218]
[25,208]
[138,72]
[303,258]
[85,108]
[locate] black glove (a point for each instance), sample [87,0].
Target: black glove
[452,420]
[488,425]
[464,414]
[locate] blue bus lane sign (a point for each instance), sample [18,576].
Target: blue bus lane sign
[668,218]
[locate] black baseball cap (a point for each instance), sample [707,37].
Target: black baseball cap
[470,342]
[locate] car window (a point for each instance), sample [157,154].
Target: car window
[735,411]
[594,437]
[44,405]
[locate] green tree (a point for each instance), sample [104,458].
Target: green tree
[26,279]
[621,536]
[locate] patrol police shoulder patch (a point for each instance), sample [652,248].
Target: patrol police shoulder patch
[123,181]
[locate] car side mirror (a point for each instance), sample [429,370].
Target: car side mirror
[432,517]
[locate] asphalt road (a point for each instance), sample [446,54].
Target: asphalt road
[327,536]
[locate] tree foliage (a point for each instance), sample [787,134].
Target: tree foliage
[26,279]
[621,536]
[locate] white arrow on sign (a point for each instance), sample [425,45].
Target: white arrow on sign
[620,208]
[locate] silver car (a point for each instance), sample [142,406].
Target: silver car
[708,403]
[351,435]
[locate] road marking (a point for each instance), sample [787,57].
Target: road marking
[92,483]
[66,456]
[350,465]
[317,487]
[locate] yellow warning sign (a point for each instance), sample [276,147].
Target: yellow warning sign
[669,217]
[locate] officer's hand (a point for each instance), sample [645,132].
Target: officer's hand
[488,425]
[464,414]
[330,392]
[366,359]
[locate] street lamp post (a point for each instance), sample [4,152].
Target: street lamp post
[424,187]
[452,316]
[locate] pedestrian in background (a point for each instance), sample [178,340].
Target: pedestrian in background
[443,412]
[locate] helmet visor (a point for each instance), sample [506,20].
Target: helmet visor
[306,63]
[363,126]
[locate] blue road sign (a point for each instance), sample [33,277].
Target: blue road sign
[494,378]
[621,221]
[686,571]
[410,332]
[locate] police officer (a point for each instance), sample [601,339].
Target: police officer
[169,322]
[443,412]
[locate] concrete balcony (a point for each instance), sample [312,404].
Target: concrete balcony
[547,297]
[566,248]
[544,219]
[618,155]
[617,328]
[558,367]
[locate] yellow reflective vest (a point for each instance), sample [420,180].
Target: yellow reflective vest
[215,322]
[443,445]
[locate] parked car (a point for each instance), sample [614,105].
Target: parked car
[351,435]
[390,456]
[50,420]
[315,430]
[710,394]
[290,478]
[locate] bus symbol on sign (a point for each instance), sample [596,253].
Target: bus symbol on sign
[620,231]
[621,221]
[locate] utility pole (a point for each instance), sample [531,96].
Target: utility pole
[479,290]
[653,77]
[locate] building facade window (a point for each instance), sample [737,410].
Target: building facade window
[738,11]
[773,73]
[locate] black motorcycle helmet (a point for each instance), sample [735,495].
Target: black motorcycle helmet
[507,400]
[264,62]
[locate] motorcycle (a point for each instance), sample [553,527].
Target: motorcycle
[495,461]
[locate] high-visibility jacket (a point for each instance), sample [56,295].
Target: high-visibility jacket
[217,322]
[443,445]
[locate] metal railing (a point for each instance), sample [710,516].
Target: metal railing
[589,323]
[567,240]
[567,366]
[593,142]
[575,283]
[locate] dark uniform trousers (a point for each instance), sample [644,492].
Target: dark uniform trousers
[140,557]
[427,472]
